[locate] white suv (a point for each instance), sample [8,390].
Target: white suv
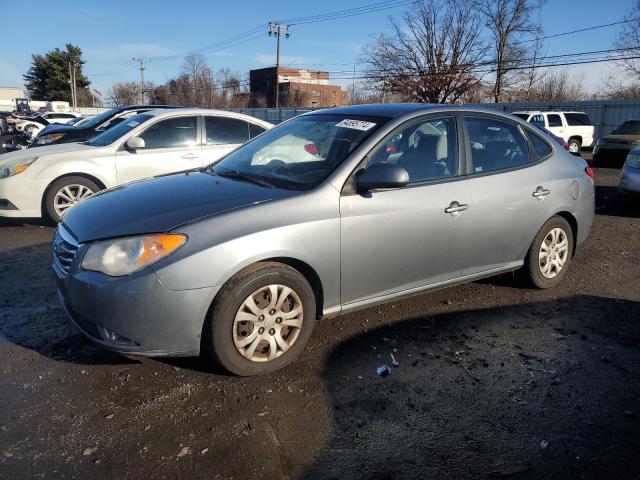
[574,127]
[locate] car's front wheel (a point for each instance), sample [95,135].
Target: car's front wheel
[550,254]
[260,320]
[67,192]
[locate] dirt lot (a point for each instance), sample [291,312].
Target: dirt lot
[493,380]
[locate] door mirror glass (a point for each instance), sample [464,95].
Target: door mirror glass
[382,175]
[135,143]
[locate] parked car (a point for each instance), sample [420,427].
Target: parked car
[48,180]
[241,258]
[552,136]
[614,148]
[56,134]
[574,127]
[33,125]
[630,176]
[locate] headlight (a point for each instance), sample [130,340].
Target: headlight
[15,167]
[633,160]
[46,139]
[125,256]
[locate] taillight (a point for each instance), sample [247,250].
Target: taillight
[589,171]
[391,149]
[311,148]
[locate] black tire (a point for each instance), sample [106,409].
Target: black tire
[531,271]
[29,129]
[576,145]
[52,191]
[218,342]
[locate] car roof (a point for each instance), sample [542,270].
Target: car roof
[394,110]
[391,110]
[204,111]
[531,112]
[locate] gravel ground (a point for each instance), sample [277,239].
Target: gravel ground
[493,380]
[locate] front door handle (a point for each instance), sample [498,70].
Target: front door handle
[540,193]
[455,208]
[190,156]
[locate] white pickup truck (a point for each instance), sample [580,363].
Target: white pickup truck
[574,127]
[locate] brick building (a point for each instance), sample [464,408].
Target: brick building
[298,87]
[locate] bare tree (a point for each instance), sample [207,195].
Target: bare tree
[509,23]
[628,41]
[431,55]
[558,86]
[124,93]
[195,67]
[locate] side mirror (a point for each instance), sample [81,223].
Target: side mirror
[135,143]
[382,175]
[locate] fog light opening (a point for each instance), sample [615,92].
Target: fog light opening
[113,337]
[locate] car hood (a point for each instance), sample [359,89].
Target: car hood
[161,204]
[56,128]
[45,151]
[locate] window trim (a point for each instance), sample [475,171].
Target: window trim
[349,186]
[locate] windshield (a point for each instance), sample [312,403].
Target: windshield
[113,134]
[631,127]
[93,121]
[300,153]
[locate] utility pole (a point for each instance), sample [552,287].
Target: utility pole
[278,29]
[72,85]
[142,69]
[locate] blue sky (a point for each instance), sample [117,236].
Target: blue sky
[112,32]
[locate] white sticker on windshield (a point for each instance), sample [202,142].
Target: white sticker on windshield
[133,124]
[356,124]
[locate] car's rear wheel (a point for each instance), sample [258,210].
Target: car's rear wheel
[550,254]
[67,192]
[260,320]
[574,146]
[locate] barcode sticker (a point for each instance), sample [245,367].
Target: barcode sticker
[356,124]
[133,124]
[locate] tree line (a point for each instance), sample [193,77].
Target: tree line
[437,51]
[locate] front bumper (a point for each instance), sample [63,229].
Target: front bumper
[136,314]
[629,179]
[21,196]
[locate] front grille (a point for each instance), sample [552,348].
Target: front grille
[65,248]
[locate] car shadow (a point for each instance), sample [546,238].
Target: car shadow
[610,201]
[544,390]
[31,315]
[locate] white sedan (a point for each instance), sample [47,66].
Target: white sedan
[34,124]
[48,180]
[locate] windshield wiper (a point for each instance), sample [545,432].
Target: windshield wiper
[247,177]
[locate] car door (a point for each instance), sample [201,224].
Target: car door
[508,184]
[555,125]
[171,145]
[401,239]
[221,135]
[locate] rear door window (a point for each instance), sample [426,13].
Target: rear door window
[255,130]
[577,119]
[226,131]
[554,120]
[541,147]
[495,144]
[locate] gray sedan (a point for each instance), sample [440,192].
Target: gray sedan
[630,175]
[238,260]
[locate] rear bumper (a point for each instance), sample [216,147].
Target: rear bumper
[136,314]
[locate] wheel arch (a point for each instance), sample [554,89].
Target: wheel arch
[573,223]
[576,137]
[86,176]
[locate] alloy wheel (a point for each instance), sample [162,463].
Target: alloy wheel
[268,323]
[553,253]
[69,195]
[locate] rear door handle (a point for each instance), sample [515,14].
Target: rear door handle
[190,156]
[540,193]
[455,208]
